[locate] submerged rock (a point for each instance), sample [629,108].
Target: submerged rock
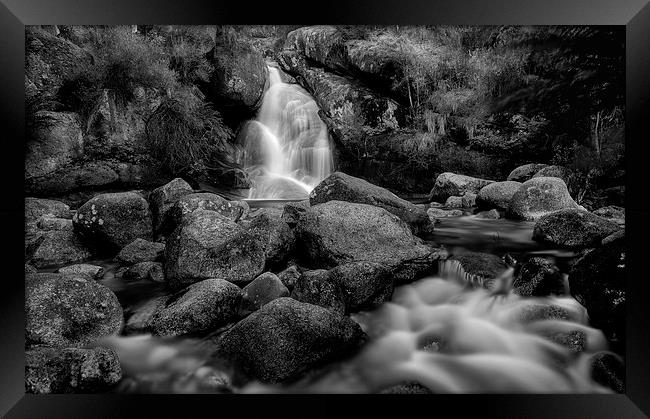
[525,172]
[265,288]
[71,370]
[339,232]
[476,268]
[539,277]
[451,184]
[141,250]
[342,187]
[208,245]
[201,307]
[497,195]
[539,196]
[91,271]
[572,228]
[114,220]
[286,338]
[67,310]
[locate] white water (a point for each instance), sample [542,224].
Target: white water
[439,332]
[286,150]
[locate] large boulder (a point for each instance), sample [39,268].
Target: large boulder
[209,245]
[71,370]
[201,307]
[316,287]
[597,281]
[451,184]
[239,77]
[539,277]
[338,232]
[321,43]
[113,220]
[265,288]
[572,228]
[525,172]
[497,195]
[55,142]
[539,196]
[163,198]
[69,310]
[286,338]
[54,248]
[140,250]
[561,172]
[275,235]
[189,203]
[341,187]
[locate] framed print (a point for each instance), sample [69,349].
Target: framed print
[424,205]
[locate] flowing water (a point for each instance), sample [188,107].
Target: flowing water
[287,149]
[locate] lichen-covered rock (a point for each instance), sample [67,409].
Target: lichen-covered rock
[525,172]
[274,235]
[286,338]
[572,228]
[201,307]
[163,198]
[56,247]
[265,288]
[289,276]
[539,277]
[341,187]
[339,232]
[316,287]
[292,211]
[208,245]
[497,195]
[71,370]
[113,220]
[612,213]
[91,271]
[539,196]
[597,281]
[451,184]
[152,271]
[141,250]
[67,310]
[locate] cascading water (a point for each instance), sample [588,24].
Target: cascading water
[286,150]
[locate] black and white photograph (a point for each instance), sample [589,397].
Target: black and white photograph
[386,209]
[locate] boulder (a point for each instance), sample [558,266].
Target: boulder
[572,228]
[435,213]
[91,271]
[365,285]
[497,195]
[152,271]
[55,248]
[71,370]
[559,172]
[163,198]
[454,202]
[539,196]
[189,203]
[292,211]
[113,220]
[286,338]
[141,250]
[35,208]
[51,223]
[201,307]
[612,213]
[208,245]
[525,172]
[239,210]
[468,200]
[339,232]
[289,276]
[69,310]
[265,288]
[316,287]
[341,187]
[597,281]
[539,277]
[320,43]
[451,184]
[275,235]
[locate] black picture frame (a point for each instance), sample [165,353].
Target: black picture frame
[633,14]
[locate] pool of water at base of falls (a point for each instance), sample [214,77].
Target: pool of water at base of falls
[436,332]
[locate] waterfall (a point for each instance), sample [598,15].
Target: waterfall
[286,150]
